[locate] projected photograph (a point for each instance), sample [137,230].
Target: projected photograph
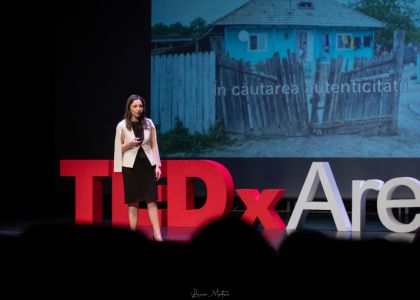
[286,78]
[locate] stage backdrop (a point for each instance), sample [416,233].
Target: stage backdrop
[102,52]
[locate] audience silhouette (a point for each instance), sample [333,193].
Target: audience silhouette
[229,252]
[226,258]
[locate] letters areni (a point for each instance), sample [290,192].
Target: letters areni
[178,192]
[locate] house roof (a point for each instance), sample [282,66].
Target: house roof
[297,13]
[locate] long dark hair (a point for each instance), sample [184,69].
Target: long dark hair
[127,113]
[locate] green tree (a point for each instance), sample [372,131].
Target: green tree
[160,29]
[198,26]
[177,29]
[395,14]
[173,30]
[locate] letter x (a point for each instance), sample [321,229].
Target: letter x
[261,206]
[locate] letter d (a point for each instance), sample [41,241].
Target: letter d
[219,185]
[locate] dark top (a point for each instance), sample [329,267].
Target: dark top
[138,130]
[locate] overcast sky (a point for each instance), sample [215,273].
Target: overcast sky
[187,10]
[184,11]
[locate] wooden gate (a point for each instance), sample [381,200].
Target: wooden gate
[366,98]
[267,99]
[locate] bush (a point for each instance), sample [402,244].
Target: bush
[179,139]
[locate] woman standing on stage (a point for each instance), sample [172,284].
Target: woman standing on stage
[136,154]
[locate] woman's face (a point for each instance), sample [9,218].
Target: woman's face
[136,108]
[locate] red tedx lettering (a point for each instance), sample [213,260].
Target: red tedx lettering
[179,192]
[88,186]
[261,207]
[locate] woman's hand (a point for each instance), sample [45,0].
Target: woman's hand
[135,142]
[158,172]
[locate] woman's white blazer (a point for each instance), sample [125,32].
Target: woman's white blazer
[127,158]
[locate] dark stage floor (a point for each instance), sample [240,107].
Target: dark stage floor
[319,222]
